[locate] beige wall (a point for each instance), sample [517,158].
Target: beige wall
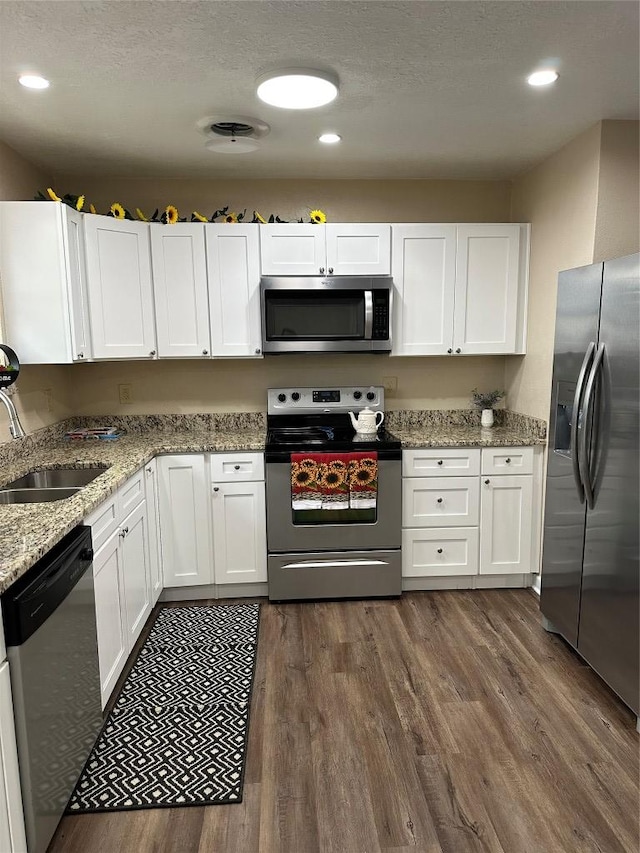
[618,215]
[559,197]
[342,201]
[42,393]
[210,386]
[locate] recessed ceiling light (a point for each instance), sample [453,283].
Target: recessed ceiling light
[542,78]
[329,138]
[297,88]
[33,81]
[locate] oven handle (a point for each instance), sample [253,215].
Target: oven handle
[323,564]
[368,315]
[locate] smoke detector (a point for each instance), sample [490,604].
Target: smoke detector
[232,134]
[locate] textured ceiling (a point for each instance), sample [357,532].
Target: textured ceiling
[428,89]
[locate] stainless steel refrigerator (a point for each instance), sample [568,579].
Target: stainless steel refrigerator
[590,562]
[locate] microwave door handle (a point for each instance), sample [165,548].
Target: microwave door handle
[368,315]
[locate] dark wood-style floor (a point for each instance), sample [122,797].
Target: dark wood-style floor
[443,722]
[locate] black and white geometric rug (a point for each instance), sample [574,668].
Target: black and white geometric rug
[177,733]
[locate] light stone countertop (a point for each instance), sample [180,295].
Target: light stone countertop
[29,531]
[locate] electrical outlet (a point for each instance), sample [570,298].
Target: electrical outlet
[126,393]
[390,383]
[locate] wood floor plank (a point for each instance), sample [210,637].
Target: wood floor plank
[440,722]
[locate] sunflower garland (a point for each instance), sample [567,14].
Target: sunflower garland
[170,214]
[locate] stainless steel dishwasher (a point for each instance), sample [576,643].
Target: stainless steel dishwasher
[50,630]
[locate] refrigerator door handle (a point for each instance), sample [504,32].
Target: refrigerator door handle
[583,449]
[575,432]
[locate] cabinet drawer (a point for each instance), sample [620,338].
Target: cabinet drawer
[440,552]
[507,460]
[131,494]
[440,502]
[443,462]
[236,467]
[103,521]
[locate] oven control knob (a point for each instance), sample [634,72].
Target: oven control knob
[295,396]
[357,395]
[371,395]
[282,397]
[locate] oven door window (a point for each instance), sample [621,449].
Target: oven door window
[314,316]
[304,517]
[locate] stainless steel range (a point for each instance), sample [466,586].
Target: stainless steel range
[326,538]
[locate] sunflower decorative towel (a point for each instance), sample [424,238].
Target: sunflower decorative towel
[332,481]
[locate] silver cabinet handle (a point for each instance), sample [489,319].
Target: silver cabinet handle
[321,270]
[583,449]
[258,350]
[575,420]
[486,482]
[80,355]
[439,550]
[149,470]
[449,350]
[152,353]
[458,351]
[507,461]
[216,488]
[237,467]
[439,461]
[205,352]
[330,270]
[439,500]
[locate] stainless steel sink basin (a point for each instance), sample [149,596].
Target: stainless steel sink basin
[28,496]
[50,478]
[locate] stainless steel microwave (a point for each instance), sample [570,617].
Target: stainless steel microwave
[334,314]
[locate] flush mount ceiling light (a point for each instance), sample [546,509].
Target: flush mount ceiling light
[297,88]
[329,138]
[33,81]
[542,78]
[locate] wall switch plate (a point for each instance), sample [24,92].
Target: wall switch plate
[126,393]
[390,383]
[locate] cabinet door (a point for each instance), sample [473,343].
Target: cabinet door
[296,249]
[358,249]
[120,291]
[34,271]
[487,289]
[110,609]
[233,264]
[184,520]
[180,289]
[136,576]
[12,835]
[77,284]
[440,501]
[239,532]
[424,274]
[505,525]
[155,565]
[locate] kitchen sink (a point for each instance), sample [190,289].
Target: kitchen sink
[47,479]
[34,495]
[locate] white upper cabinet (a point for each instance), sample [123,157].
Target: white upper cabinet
[487,289]
[120,289]
[42,270]
[424,274]
[336,249]
[180,289]
[233,266]
[460,289]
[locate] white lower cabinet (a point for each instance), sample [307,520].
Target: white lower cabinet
[184,520]
[506,524]
[239,532]
[12,834]
[155,558]
[122,577]
[110,609]
[483,524]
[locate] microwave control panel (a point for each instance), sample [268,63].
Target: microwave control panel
[380,330]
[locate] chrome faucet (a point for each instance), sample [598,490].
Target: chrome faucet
[15,427]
